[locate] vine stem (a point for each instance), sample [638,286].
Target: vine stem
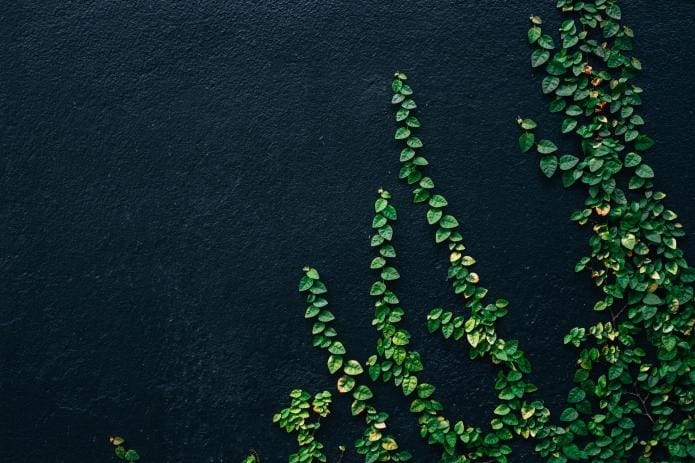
[342,454]
[614,317]
[643,401]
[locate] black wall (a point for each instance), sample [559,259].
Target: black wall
[167,168]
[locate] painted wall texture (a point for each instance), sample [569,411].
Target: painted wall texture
[167,168]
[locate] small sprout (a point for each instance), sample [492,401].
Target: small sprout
[596,81]
[536,20]
[474,278]
[587,70]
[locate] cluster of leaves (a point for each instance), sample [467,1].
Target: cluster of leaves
[296,418]
[375,444]
[620,385]
[120,450]
[634,366]
[516,414]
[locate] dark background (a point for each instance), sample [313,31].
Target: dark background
[167,168]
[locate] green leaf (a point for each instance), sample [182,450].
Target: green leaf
[408,104]
[305,283]
[414,142]
[448,221]
[539,57]
[629,241]
[550,83]
[396,85]
[546,42]
[337,348]
[120,452]
[643,143]
[442,234]
[526,141]
[576,395]
[546,147]
[548,165]
[534,34]
[652,299]
[409,385]
[644,171]
[401,114]
[390,273]
[362,392]
[568,125]
[632,159]
[353,368]
[402,133]
[433,216]
[569,414]
[613,10]
[528,124]
[377,289]
[438,201]
[425,390]
[334,363]
[131,455]
[567,161]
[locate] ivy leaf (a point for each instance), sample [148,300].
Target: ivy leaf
[613,10]
[550,83]
[337,348]
[353,368]
[548,165]
[643,143]
[652,299]
[402,133]
[546,42]
[569,414]
[546,147]
[576,395]
[131,455]
[408,104]
[539,57]
[629,241]
[534,34]
[568,161]
[362,393]
[345,384]
[448,221]
[334,363]
[390,273]
[632,159]
[438,201]
[526,141]
[433,216]
[568,125]
[644,171]
[305,283]
[409,385]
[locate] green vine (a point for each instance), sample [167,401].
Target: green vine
[632,398]
[619,385]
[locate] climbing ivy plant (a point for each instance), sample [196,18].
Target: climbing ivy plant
[633,395]
[633,392]
[635,368]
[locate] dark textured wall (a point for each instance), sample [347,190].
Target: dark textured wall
[167,168]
